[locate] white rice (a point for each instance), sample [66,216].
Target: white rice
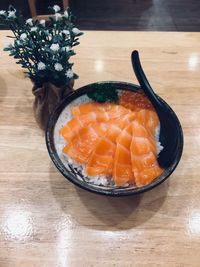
[99,180]
[158,144]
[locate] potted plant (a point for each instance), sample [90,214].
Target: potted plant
[43,49]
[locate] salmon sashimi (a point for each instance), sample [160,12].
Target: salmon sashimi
[101,160]
[143,155]
[69,130]
[115,140]
[99,114]
[147,175]
[115,126]
[149,119]
[82,145]
[122,171]
[113,131]
[112,110]
[117,111]
[85,108]
[94,106]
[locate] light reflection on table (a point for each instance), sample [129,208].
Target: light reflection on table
[193,61]
[17,224]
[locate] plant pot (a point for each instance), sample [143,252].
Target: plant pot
[47,97]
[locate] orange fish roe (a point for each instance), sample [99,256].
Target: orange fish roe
[135,100]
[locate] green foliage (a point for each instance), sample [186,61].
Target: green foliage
[103,93]
[43,48]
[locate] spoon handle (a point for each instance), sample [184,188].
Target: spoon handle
[142,79]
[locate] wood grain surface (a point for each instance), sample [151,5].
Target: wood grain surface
[45,221]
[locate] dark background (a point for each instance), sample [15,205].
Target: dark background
[150,15]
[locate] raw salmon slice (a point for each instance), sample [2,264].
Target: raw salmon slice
[101,113]
[83,144]
[74,125]
[117,111]
[147,175]
[101,160]
[124,139]
[112,109]
[143,162]
[143,155]
[122,171]
[85,108]
[144,137]
[72,128]
[111,139]
[115,126]
[113,130]
[142,145]
[94,106]
[91,112]
[112,113]
[149,119]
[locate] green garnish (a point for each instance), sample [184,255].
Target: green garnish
[103,93]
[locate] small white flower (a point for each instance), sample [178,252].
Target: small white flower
[29,21]
[34,29]
[69,73]
[42,22]
[2,12]
[41,66]
[66,32]
[11,14]
[76,31]
[56,8]
[58,67]
[23,37]
[66,15]
[58,16]
[55,47]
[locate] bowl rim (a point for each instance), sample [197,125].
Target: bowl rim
[87,186]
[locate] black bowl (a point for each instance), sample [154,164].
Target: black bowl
[74,176]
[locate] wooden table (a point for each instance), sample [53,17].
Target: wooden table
[46,221]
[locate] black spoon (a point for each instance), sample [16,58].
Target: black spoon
[168,128]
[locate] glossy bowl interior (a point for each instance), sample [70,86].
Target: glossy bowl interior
[72,174]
